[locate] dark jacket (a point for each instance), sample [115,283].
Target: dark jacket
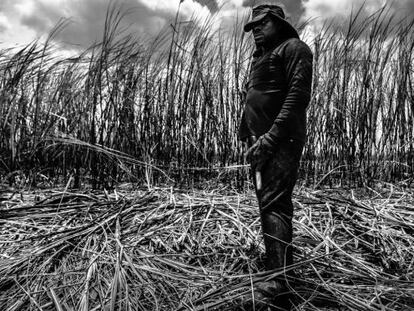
[278,92]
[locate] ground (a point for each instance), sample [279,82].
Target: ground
[163,248]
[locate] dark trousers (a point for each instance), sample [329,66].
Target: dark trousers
[279,176]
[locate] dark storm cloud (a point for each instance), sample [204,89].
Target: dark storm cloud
[210,4]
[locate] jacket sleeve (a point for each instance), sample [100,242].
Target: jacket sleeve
[297,58]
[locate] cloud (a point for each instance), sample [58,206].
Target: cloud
[212,5]
[141,17]
[4,23]
[402,8]
[35,18]
[325,9]
[322,10]
[5,5]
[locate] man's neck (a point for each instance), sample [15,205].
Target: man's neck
[274,43]
[265,48]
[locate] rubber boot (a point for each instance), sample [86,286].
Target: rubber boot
[274,294]
[277,234]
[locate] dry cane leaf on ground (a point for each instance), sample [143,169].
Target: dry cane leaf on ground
[170,249]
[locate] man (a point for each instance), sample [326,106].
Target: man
[274,126]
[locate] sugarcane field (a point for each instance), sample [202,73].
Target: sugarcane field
[207,155]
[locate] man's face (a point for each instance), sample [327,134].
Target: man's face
[266,31]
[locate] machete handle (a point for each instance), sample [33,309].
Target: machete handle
[257,173]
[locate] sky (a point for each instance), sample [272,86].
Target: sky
[22,21]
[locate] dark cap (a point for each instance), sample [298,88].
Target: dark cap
[261,11]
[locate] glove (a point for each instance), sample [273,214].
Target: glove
[261,151]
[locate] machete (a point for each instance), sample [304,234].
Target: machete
[257,173]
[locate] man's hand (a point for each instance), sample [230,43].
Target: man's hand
[260,151]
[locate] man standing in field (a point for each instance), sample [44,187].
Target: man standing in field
[274,126]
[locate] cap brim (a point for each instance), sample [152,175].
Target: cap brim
[249,26]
